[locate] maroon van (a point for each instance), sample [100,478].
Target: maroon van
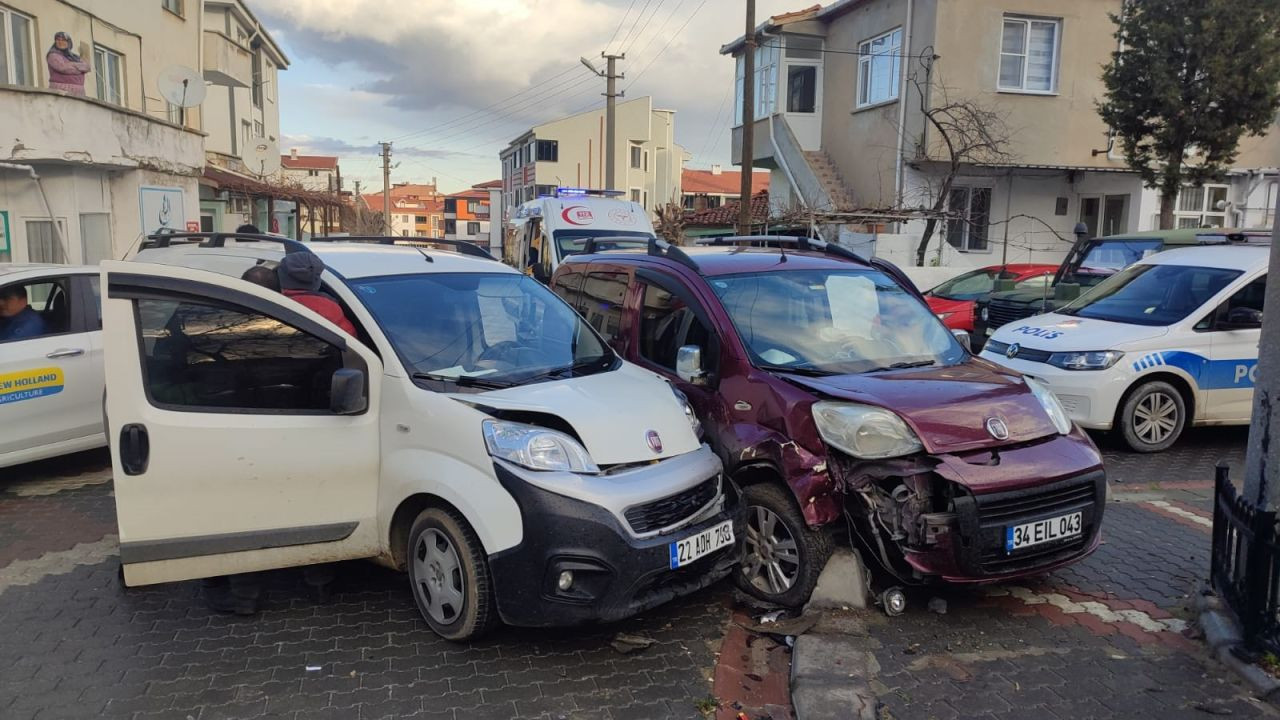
[841,406]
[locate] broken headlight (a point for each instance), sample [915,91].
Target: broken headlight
[866,432]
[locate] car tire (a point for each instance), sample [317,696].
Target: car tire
[449,576]
[784,568]
[1153,417]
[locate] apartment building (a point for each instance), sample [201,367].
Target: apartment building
[466,216]
[417,210]
[316,174]
[82,177]
[843,93]
[570,152]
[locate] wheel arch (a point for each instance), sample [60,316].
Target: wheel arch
[1180,383]
[402,522]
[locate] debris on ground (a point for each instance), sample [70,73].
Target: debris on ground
[627,643]
[938,605]
[707,706]
[771,616]
[779,629]
[1214,709]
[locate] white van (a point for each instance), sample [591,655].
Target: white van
[475,432]
[1167,342]
[543,232]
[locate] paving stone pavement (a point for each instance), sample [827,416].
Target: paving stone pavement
[75,643]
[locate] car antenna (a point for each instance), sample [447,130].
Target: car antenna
[782,248]
[424,254]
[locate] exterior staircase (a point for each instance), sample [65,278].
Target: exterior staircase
[833,186]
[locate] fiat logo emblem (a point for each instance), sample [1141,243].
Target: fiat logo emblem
[997,428]
[655,442]
[1013,350]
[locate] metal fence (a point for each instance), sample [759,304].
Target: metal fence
[1245,565]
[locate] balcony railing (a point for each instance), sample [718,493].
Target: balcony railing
[226,62]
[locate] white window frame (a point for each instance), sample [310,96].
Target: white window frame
[173,6]
[6,46]
[637,157]
[635,195]
[268,79]
[866,69]
[1028,21]
[1205,216]
[102,62]
[966,242]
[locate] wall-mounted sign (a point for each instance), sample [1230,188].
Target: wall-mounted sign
[4,234]
[193,226]
[163,208]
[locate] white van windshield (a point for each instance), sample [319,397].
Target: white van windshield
[833,322]
[482,329]
[1151,294]
[572,241]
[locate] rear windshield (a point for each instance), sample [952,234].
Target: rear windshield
[969,286]
[1151,294]
[572,241]
[1107,258]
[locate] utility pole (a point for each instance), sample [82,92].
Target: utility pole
[386,188]
[611,95]
[1262,462]
[748,121]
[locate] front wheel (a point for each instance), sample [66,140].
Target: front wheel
[449,576]
[783,556]
[1153,417]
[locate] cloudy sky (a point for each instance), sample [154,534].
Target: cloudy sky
[450,82]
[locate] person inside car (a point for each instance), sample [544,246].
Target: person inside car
[17,319]
[262,275]
[299,275]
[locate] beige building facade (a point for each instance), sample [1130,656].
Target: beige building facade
[570,152]
[843,91]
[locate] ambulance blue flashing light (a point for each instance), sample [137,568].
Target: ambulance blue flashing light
[584,192]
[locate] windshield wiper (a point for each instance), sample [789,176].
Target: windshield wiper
[799,370]
[569,369]
[904,365]
[464,380]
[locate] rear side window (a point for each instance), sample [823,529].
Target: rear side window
[666,324]
[47,311]
[567,285]
[602,296]
[210,356]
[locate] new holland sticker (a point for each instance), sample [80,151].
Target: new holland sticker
[30,384]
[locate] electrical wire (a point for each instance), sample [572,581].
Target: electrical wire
[621,22]
[663,51]
[635,23]
[646,24]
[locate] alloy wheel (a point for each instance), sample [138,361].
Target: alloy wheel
[772,560]
[1155,418]
[438,576]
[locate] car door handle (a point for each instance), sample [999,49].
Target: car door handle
[65,352]
[135,449]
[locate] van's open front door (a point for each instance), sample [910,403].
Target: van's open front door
[243,427]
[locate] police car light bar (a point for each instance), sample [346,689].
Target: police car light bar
[1234,238]
[583,192]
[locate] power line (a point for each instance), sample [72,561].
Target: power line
[715,123]
[658,33]
[645,25]
[621,22]
[670,40]
[636,22]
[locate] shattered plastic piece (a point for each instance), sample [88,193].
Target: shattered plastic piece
[911,649]
[626,643]
[771,617]
[313,668]
[791,641]
[938,605]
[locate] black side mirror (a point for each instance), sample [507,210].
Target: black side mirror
[1242,318]
[346,392]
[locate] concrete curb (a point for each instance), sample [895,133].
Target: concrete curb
[1222,635]
[829,678]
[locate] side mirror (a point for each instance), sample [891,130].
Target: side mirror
[1003,285]
[346,392]
[689,365]
[1066,291]
[1242,318]
[962,337]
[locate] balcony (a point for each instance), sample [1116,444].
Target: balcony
[761,143]
[48,126]
[226,62]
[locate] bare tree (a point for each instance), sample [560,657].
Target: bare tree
[670,226]
[968,132]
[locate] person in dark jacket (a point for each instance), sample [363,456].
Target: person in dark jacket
[66,69]
[299,274]
[17,320]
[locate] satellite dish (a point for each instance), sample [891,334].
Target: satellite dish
[181,86]
[262,157]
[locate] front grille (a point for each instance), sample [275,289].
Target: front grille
[997,512]
[673,508]
[1024,353]
[1001,312]
[1002,510]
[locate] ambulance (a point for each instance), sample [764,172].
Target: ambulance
[546,230]
[1168,342]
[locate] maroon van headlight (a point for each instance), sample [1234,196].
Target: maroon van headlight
[863,431]
[1051,406]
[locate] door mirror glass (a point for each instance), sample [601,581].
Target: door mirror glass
[1242,318]
[689,364]
[962,337]
[346,392]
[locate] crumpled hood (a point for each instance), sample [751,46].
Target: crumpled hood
[1058,333]
[612,412]
[947,407]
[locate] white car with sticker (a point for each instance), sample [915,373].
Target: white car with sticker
[51,375]
[1169,341]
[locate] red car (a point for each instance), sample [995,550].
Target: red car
[953,300]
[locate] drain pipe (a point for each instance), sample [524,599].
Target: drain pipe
[898,179]
[57,230]
[786,169]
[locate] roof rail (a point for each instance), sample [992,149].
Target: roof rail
[801,242]
[653,246]
[462,246]
[217,240]
[1249,237]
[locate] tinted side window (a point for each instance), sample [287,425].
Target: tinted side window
[1250,296]
[568,285]
[47,310]
[198,355]
[666,323]
[94,306]
[602,296]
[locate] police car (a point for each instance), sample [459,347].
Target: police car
[1167,342]
[50,382]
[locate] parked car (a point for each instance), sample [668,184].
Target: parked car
[544,231]
[953,301]
[492,446]
[832,393]
[1090,261]
[51,384]
[1168,342]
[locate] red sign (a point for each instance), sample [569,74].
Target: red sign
[577,215]
[275,224]
[193,226]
